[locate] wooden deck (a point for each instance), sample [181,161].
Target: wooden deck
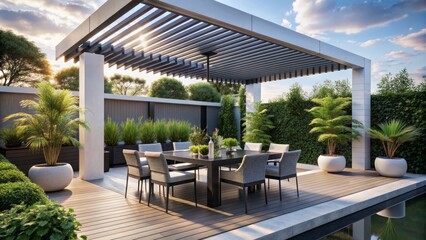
[106,214]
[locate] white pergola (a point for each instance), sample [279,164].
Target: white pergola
[174,37]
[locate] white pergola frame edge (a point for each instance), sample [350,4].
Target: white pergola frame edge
[221,15]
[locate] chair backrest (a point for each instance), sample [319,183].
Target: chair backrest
[235,148]
[158,165]
[278,148]
[134,165]
[288,163]
[252,168]
[181,145]
[253,146]
[151,147]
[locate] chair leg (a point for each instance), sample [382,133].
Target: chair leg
[145,184]
[139,184]
[195,193]
[245,199]
[279,186]
[269,185]
[264,188]
[173,191]
[150,191]
[220,192]
[140,194]
[127,183]
[167,199]
[297,186]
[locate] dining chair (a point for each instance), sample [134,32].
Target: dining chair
[250,173]
[277,148]
[149,147]
[161,175]
[135,169]
[181,145]
[285,169]
[253,146]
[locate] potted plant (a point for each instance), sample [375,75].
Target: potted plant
[162,135]
[11,137]
[147,132]
[334,127]
[203,150]
[257,126]
[229,143]
[111,139]
[194,150]
[51,125]
[198,137]
[392,134]
[178,130]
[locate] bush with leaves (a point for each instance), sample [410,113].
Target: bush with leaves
[12,137]
[168,88]
[226,121]
[12,175]
[198,136]
[5,165]
[230,142]
[203,149]
[39,221]
[111,133]
[20,192]
[257,126]
[178,130]
[147,132]
[129,131]
[203,91]
[3,158]
[161,131]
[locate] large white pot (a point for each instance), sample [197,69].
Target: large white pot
[390,167]
[335,163]
[51,178]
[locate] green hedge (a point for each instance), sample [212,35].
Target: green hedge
[20,192]
[12,175]
[410,108]
[3,158]
[7,166]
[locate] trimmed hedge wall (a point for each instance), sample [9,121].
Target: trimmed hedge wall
[291,123]
[410,108]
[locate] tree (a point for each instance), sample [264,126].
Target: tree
[203,91]
[21,62]
[340,88]
[69,78]
[226,123]
[225,88]
[422,85]
[127,85]
[168,88]
[258,125]
[400,83]
[242,105]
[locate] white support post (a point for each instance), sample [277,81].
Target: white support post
[253,95]
[92,100]
[361,111]
[362,229]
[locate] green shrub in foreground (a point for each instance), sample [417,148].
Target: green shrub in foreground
[3,158]
[20,192]
[39,221]
[12,175]
[7,166]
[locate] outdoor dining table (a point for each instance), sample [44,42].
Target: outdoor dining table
[213,167]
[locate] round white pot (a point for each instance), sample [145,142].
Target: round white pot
[51,178]
[390,167]
[335,163]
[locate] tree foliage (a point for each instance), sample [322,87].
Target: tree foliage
[340,88]
[242,105]
[257,125]
[203,91]
[225,88]
[21,62]
[168,88]
[399,83]
[226,123]
[69,79]
[127,85]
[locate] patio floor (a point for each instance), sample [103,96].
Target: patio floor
[105,214]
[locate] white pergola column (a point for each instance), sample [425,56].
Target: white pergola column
[361,111]
[362,229]
[92,100]
[253,95]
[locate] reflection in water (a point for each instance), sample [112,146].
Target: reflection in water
[412,227]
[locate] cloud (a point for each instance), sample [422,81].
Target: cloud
[370,42]
[398,55]
[418,74]
[288,13]
[319,16]
[416,41]
[286,23]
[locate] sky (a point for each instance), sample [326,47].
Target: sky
[392,33]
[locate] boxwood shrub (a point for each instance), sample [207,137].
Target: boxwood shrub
[12,175]
[3,158]
[20,192]
[39,221]
[7,166]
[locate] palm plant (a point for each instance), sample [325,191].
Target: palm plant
[257,125]
[129,131]
[161,131]
[393,134]
[52,122]
[111,133]
[332,123]
[147,132]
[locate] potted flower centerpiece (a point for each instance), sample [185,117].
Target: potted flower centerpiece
[51,125]
[392,134]
[334,127]
[198,137]
[229,143]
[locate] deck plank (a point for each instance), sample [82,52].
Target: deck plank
[106,214]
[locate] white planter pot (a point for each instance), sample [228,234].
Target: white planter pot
[51,178]
[390,167]
[334,163]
